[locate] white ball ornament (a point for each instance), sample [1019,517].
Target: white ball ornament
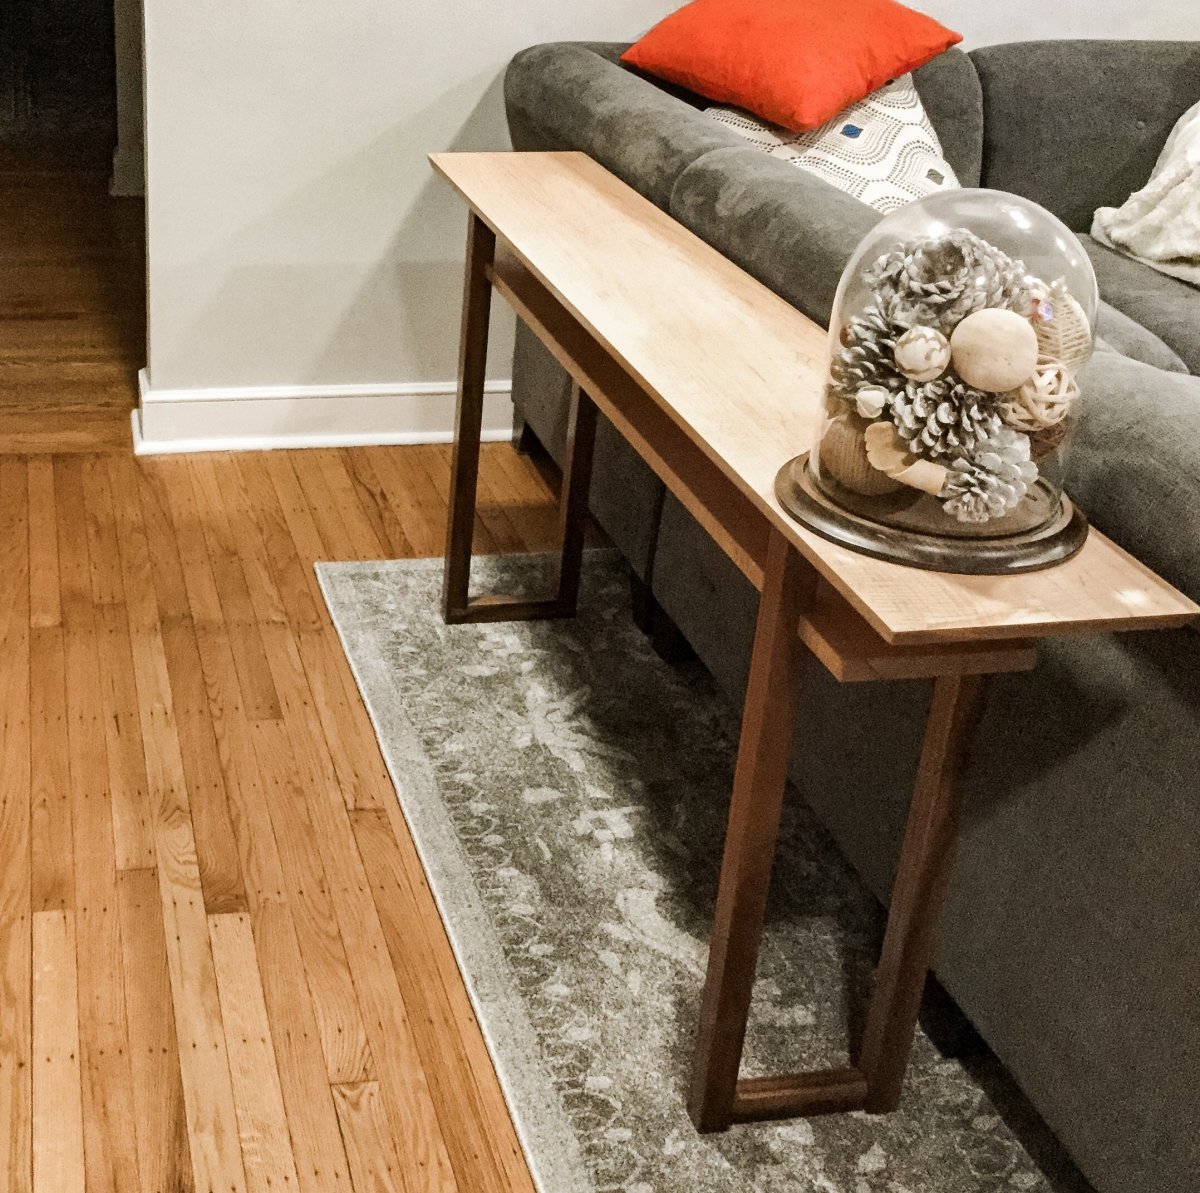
[994,350]
[922,353]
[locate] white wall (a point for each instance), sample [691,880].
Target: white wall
[297,238]
[986,22]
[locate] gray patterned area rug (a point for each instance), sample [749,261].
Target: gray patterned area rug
[567,791]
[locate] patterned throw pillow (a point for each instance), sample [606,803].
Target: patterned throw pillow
[882,150]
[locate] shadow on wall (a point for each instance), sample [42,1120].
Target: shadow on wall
[290,313]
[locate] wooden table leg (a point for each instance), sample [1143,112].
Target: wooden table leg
[718,1098]
[458,606]
[766,740]
[468,418]
[922,874]
[573,501]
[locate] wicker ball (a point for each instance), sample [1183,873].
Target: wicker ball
[1047,441]
[1042,401]
[844,459]
[1067,336]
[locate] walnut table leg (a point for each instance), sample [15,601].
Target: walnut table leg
[718,1098]
[468,419]
[922,873]
[458,606]
[766,740]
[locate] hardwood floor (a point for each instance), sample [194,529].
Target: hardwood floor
[221,967]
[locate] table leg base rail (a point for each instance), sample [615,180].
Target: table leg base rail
[825,1091]
[494,607]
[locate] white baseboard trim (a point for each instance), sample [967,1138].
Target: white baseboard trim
[259,418]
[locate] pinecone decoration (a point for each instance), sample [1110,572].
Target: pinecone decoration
[992,482]
[944,417]
[867,355]
[941,281]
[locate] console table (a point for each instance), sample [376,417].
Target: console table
[716,382]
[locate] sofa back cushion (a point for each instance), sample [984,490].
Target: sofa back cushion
[949,90]
[575,96]
[1076,125]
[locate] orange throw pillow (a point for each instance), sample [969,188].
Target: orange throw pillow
[796,63]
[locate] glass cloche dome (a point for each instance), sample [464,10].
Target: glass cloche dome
[958,332]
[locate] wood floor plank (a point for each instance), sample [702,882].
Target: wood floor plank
[43,546]
[286,594]
[498,535]
[343,1034]
[291,577]
[31,434]
[434,461]
[373,498]
[344,497]
[335,521]
[249,818]
[418,506]
[316,1142]
[58,1164]
[133,837]
[159,1115]
[300,872]
[453,1053]
[362,774]
[109,1147]
[403,1084]
[366,1134]
[50,784]
[321,1163]
[262,1121]
[208,1094]
[133,827]
[238,614]
[296,509]
[531,504]
[315,786]
[217,482]
[16,974]
[217,855]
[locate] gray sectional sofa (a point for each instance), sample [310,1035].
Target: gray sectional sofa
[1071,937]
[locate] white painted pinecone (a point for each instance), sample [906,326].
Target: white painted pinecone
[992,482]
[942,280]
[867,353]
[943,417]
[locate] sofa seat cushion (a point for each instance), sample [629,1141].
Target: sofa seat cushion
[575,96]
[1128,337]
[1163,305]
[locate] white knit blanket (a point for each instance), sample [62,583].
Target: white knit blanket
[1160,224]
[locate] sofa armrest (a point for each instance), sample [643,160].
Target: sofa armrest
[788,228]
[576,96]
[1135,463]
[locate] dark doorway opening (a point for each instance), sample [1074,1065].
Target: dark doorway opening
[57,73]
[72,282]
